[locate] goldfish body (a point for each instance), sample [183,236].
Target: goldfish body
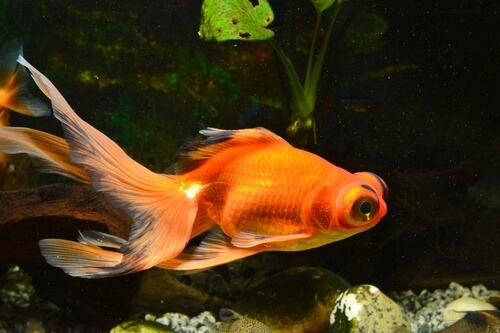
[14,95]
[249,188]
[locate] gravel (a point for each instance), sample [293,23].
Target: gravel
[426,309]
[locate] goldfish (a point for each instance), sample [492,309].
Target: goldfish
[247,190]
[14,93]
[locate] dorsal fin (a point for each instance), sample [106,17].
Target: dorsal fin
[193,154]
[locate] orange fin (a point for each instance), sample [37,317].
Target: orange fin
[192,154]
[246,239]
[216,249]
[162,211]
[14,81]
[81,260]
[101,239]
[48,152]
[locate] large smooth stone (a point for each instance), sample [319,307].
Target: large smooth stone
[141,326]
[294,301]
[365,308]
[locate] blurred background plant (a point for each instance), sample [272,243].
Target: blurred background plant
[135,70]
[355,33]
[154,83]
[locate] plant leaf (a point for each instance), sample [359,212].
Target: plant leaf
[223,20]
[321,5]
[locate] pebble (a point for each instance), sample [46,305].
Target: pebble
[426,310]
[365,308]
[205,322]
[183,324]
[457,309]
[16,289]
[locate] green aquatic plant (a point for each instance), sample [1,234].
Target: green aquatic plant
[248,20]
[236,19]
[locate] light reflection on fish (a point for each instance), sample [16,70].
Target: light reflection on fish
[249,188]
[14,93]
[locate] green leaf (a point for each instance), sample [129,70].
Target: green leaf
[223,20]
[321,5]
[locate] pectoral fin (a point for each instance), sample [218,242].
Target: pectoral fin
[247,239]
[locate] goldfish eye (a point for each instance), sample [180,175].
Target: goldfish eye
[364,209]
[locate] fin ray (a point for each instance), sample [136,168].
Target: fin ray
[192,154]
[216,249]
[49,153]
[246,239]
[14,82]
[80,260]
[162,213]
[100,239]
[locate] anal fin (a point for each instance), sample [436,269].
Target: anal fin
[216,249]
[101,239]
[80,260]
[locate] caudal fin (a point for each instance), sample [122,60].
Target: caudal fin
[48,152]
[14,81]
[162,210]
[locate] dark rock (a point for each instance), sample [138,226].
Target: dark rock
[160,291]
[298,300]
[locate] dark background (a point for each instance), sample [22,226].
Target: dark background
[140,73]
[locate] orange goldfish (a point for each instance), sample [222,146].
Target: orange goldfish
[249,189]
[14,95]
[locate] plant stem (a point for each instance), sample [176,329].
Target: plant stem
[312,51]
[300,103]
[312,90]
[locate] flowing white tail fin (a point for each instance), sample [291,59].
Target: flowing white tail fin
[162,213]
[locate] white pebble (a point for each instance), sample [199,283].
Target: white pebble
[426,311]
[457,309]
